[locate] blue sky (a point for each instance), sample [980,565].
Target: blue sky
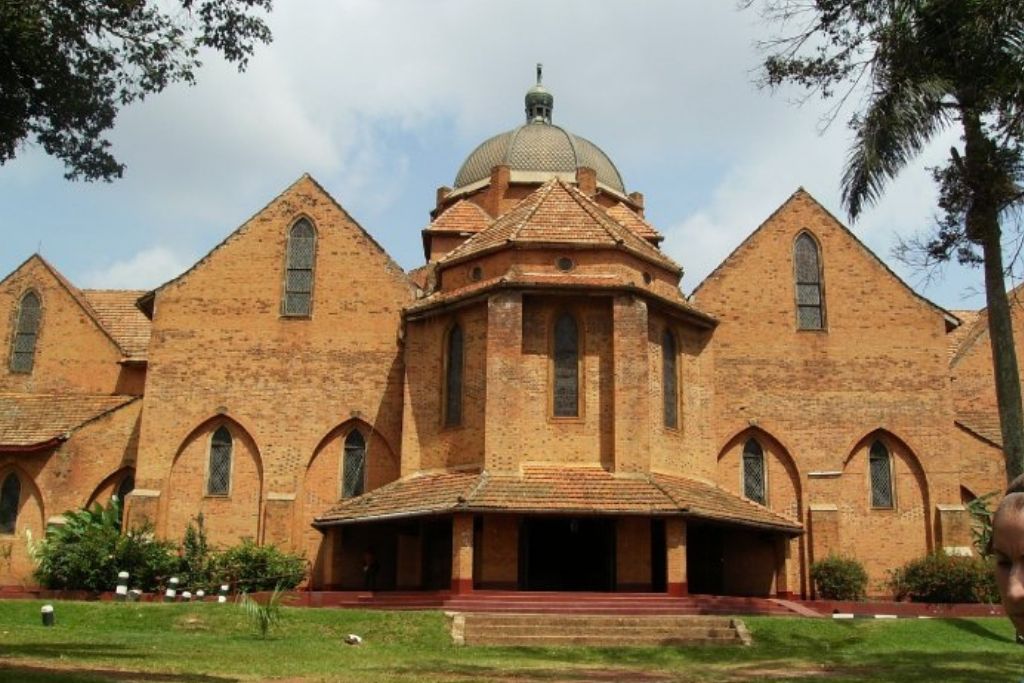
[382,101]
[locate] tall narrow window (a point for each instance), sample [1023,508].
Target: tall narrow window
[126,486]
[10,497]
[298,287]
[810,310]
[23,349]
[753,472]
[218,481]
[453,378]
[881,476]
[566,394]
[353,471]
[669,380]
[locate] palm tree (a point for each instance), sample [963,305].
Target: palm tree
[929,65]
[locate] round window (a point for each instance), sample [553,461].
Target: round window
[647,278]
[564,263]
[476,273]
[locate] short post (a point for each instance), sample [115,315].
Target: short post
[186,596]
[172,589]
[122,586]
[222,596]
[134,595]
[47,612]
[200,594]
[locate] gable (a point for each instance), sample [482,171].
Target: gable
[73,351]
[857,284]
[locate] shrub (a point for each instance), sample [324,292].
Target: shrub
[197,561]
[939,577]
[260,568]
[839,578]
[88,550]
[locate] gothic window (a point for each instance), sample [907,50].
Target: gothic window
[218,481]
[810,305]
[353,470]
[669,380]
[753,472]
[298,286]
[10,497]
[453,378]
[566,379]
[126,486]
[23,349]
[881,475]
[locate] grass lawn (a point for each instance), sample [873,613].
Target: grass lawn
[210,643]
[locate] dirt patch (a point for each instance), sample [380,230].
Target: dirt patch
[107,674]
[782,671]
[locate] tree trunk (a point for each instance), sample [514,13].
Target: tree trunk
[982,224]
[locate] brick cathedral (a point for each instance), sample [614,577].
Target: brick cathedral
[539,407]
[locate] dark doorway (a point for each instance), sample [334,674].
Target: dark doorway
[437,554]
[567,554]
[659,557]
[705,559]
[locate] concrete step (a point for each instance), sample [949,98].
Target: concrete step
[594,640]
[610,632]
[600,620]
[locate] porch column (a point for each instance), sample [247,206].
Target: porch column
[462,553]
[330,548]
[675,547]
[783,560]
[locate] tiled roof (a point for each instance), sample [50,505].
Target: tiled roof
[421,276]
[634,222]
[956,338]
[462,216]
[556,213]
[982,423]
[515,279]
[33,419]
[116,311]
[553,489]
[708,501]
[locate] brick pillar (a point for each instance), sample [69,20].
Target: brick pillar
[783,562]
[633,554]
[500,176]
[954,529]
[824,527]
[586,181]
[141,507]
[462,553]
[330,556]
[632,385]
[675,547]
[503,410]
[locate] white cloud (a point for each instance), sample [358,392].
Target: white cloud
[146,269]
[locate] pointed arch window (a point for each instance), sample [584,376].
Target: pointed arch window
[298,286]
[669,380]
[10,499]
[353,470]
[880,463]
[810,304]
[753,472]
[218,479]
[566,374]
[453,378]
[23,350]
[126,486]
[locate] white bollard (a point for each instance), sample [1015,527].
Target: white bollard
[47,612]
[122,586]
[186,596]
[200,594]
[172,590]
[222,597]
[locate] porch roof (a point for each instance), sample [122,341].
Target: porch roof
[555,490]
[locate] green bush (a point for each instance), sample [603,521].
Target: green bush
[88,550]
[250,567]
[939,577]
[197,569]
[839,578]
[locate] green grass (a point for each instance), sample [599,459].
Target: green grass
[210,643]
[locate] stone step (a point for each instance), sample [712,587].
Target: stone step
[611,632]
[594,640]
[602,620]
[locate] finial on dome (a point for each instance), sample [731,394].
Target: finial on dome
[539,102]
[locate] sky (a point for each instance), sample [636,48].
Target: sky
[382,101]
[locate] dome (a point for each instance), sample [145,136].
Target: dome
[538,150]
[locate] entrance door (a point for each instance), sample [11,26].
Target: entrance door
[705,559]
[567,554]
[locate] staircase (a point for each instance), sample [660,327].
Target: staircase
[543,630]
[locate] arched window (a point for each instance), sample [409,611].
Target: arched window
[126,486]
[23,349]
[669,380]
[566,376]
[453,378]
[298,286]
[218,481]
[753,471]
[353,471]
[810,305]
[881,476]
[10,497]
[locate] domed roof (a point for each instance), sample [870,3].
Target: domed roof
[539,148]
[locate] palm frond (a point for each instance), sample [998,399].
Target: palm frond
[901,119]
